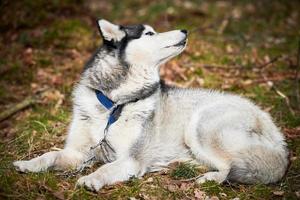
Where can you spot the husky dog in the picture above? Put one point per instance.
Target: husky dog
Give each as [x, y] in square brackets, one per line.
[126, 118]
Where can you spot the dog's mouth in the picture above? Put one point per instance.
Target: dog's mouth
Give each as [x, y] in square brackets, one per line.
[179, 44]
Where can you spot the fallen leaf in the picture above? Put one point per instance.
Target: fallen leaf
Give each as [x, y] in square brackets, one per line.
[278, 193]
[57, 194]
[28, 57]
[222, 194]
[292, 133]
[185, 186]
[149, 180]
[198, 194]
[172, 188]
[229, 48]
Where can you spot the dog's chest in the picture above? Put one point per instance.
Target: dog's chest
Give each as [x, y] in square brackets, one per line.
[105, 152]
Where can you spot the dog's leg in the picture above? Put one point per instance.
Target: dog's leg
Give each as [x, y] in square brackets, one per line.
[57, 160]
[119, 170]
[218, 176]
[216, 161]
[209, 150]
[70, 157]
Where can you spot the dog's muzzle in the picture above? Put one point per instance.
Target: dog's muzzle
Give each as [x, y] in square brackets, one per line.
[179, 44]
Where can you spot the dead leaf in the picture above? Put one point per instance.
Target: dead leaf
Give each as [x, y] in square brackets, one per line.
[247, 82]
[278, 193]
[198, 194]
[28, 57]
[145, 197]
[149, 180]
[292, 133]
[293, 158]
[34, 87]
[267, 59]
[172, 70]
[200, 81]
[222, 194]
[229, 48]
[185, 186]
[46, 76]
[236, 13]
[57, 194]
[53, 95]
[172, 188]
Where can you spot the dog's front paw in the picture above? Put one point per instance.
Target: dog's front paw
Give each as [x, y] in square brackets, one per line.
[91, 182]
[24, 166]
[211, 176]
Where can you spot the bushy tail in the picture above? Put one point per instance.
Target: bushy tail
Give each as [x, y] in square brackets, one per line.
[259, 165]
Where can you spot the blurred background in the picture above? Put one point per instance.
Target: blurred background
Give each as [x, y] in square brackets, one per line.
[251, 48]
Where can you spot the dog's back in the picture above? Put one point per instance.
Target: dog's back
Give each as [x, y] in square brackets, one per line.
[225, 132]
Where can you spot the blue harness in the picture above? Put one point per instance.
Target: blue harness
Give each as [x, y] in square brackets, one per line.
[114, 115]
[109, 104]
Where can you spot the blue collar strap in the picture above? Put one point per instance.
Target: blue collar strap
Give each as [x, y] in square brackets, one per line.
[108, 104]
[104, 100]
[117, 109]
[115, 112]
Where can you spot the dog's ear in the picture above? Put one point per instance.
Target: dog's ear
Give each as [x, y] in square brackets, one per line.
[109, 31]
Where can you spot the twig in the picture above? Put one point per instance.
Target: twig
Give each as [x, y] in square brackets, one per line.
[191, 179]
[17, 107]
[22, 105]
[281, 94]
[11, 195]
[297, 78]
[275, 59]
[221, 67]
[287, 100]
[223, 26]
[186, 180]
[272, 86]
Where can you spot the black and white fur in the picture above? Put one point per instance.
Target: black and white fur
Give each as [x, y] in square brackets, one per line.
[227, 133]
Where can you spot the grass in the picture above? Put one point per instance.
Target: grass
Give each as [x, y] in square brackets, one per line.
[184, 171]
[45, 44]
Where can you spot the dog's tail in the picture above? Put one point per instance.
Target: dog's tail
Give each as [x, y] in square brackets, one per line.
[259, 165]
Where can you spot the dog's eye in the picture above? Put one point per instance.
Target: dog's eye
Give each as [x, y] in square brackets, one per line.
[149, 33]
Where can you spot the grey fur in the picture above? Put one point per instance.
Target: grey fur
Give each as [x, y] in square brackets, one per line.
[258, 165]
[94, 75]
[159, 124]
[93, 72]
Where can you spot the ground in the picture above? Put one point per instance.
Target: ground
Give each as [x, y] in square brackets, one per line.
[244, 47]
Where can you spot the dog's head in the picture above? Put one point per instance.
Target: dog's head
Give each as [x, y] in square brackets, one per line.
[140, 45]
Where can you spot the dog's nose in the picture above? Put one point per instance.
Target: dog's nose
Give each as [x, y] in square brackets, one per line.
[184, 31]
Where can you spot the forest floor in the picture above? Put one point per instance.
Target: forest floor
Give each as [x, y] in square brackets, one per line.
[245, 47]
